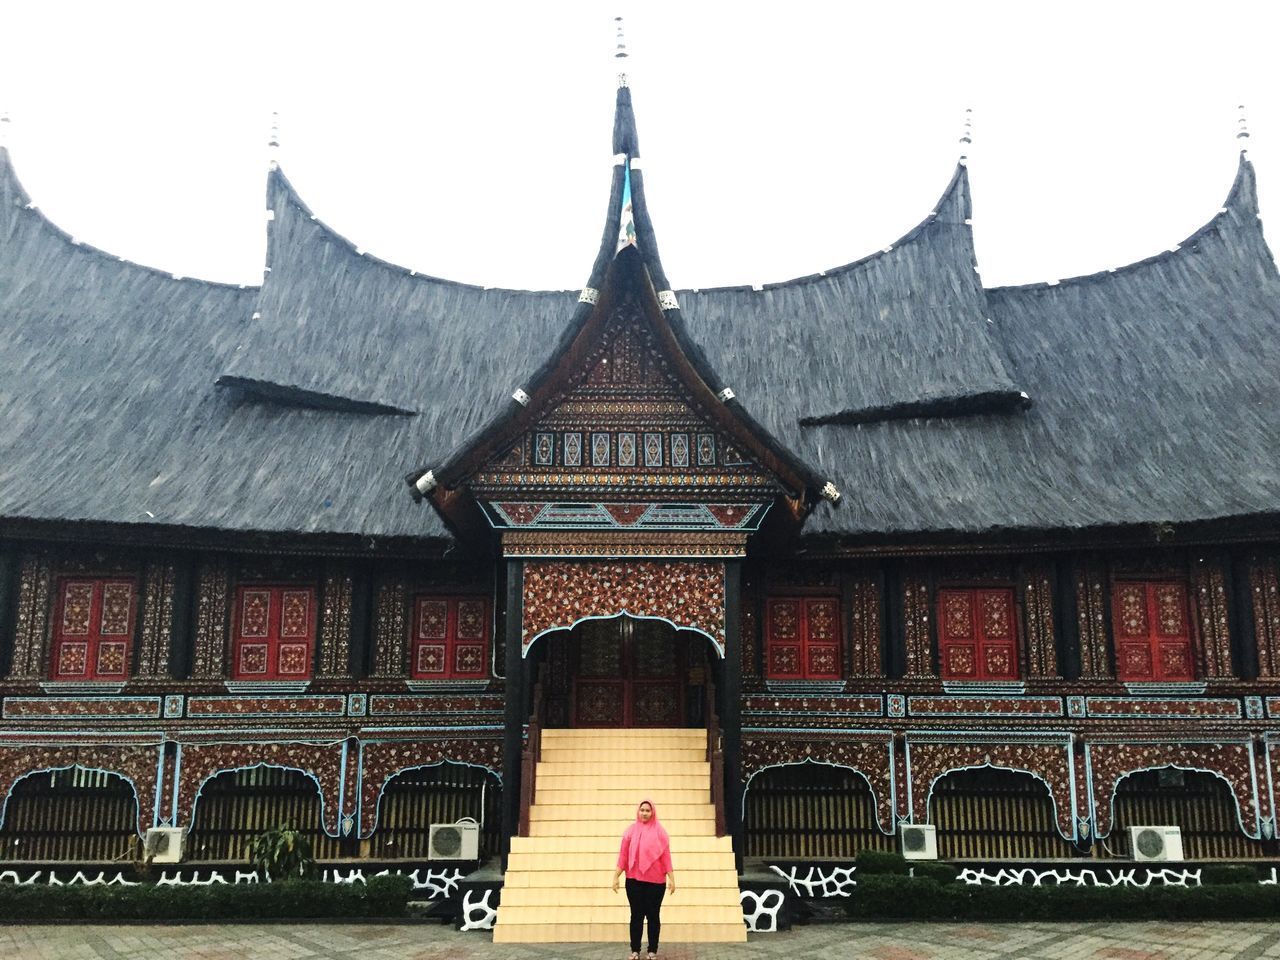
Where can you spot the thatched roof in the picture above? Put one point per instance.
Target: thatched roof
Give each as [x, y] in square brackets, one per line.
[1152, 389]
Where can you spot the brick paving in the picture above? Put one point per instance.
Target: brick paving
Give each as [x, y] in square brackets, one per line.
[882, 941]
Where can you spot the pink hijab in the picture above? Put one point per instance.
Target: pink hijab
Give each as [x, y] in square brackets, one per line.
[649, 841]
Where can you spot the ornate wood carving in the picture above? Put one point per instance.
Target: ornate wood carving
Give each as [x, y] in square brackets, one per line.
[1209, 597]
[1037, 604]
[212, 611]
[865, 624]
[687, 594]
[608, 543]
[1264, 587]
[335, 623]
[31, 634]
[159, 580]
[915, 613]
[1091, 605]
[391, 630]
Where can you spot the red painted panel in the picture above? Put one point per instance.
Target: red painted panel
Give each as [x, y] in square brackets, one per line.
[273, 632]
[978, 634]
[450, 638]
[1153, 631]
[93, 629]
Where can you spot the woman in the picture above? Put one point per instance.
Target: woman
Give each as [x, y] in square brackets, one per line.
[645, 858]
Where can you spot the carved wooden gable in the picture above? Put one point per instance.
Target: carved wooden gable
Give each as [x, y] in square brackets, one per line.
[624, 444]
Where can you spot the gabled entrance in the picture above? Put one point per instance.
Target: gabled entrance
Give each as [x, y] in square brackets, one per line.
[626, 672]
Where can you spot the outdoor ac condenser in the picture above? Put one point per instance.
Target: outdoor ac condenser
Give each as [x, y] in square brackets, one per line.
[454, 841]
[919, 841]
[1156, 843]
[164, 844]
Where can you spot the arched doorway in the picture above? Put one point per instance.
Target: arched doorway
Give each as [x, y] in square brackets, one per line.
[626, 671]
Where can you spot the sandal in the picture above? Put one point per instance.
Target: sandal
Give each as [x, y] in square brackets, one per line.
[634, 956]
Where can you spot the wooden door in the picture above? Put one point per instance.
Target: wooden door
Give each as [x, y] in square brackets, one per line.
[630, 673]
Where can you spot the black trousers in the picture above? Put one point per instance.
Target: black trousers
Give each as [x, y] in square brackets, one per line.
[646, 901]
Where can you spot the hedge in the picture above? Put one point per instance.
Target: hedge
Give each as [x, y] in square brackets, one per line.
[295, 900]
[888, 897]
[875, 862]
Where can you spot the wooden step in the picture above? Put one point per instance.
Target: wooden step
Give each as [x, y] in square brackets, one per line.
[610, 843]
[620, 912]
[617, 933]
[642, 757]
[554, 778]
[602, 879]
[605, 897]
[629, 735]
[554, 796]
[574, 828]
[539, 860]
[610, 813]
[607, 769]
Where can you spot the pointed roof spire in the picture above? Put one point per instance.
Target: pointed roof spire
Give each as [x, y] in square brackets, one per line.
[1243, 124]
[966, 135]
[273, 143]
[5, 126]
[620, 52]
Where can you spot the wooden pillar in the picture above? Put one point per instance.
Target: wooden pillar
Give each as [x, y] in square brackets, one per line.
[731, 706]
[517, 710]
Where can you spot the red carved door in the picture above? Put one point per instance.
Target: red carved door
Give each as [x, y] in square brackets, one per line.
[630, 673]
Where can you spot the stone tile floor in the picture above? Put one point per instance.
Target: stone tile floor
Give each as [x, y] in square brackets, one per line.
[918, 941]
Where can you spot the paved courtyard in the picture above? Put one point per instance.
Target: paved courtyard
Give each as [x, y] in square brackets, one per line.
[951, 941]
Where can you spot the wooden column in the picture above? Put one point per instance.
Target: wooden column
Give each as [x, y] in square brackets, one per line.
[517, 710]
[731, 706]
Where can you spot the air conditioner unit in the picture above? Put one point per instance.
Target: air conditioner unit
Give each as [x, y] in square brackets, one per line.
[454, 841]
[164, 844]
[1156, 843]
[919, 841]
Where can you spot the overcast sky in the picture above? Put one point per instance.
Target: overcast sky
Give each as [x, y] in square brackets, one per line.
[472, 140]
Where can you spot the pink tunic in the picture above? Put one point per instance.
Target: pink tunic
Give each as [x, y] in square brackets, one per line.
[656, 872]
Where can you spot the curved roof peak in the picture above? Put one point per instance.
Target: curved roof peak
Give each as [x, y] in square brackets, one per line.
[1240, 206]
[15, 201]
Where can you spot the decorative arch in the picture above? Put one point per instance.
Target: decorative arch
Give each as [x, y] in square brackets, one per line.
[1057, 813]
[13, 786]
[1232, 763]
[382, 788]
[558, 595]
[870, 756]
[198, 763]
[929, 760]
[382, 760]
[139, 766]
[809, 761]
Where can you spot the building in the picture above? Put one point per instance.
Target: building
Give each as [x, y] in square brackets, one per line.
[1003, 560]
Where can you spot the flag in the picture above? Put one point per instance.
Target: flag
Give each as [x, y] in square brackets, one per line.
[627, 221]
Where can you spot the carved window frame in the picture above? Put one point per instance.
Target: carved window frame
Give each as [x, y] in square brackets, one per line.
[802, 644]
[93, 643]
[978, 638]
[1155, 642]
[269, 640]
[453, 642]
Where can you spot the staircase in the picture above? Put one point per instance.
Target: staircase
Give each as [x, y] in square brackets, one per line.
[589, 783]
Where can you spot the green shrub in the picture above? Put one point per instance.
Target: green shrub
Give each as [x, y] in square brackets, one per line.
[388, 896]
[903, 898]
[874, 862]
[935, 870]
[1220, 873]
[282, 854]
[298, 900]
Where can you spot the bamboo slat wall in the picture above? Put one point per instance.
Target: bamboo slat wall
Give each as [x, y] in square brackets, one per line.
[236, 806]
[1199, 803]
[995, 815]
[73, 814]
[418, 798]
[811, 812]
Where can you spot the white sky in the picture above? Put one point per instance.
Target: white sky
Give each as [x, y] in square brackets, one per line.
[472, 140]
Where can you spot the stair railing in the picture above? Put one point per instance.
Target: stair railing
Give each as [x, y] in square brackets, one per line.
[715, 756]
[531, 754]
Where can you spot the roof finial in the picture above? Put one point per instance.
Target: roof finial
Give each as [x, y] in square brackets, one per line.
[1243, 132]
[620, 52]
[273, 143]
[4, 129]
[966, 135]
